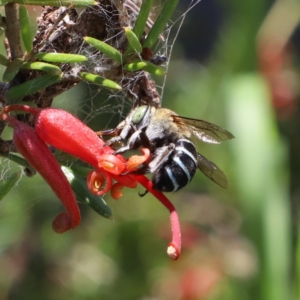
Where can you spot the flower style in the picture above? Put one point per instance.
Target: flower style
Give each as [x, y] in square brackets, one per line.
[65, 132]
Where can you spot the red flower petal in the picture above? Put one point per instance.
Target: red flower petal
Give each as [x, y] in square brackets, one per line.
[99, 183]
[111, 163]
[116, 191]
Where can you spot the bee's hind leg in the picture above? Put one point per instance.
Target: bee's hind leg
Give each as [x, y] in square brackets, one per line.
[161, 157]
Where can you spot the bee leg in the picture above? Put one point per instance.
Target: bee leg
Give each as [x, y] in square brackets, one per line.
[143, 194]
[143, 169]
[145, 142]
[113, 140]
[161, 156]
[112, 132]
[137, 140]
[120, 133]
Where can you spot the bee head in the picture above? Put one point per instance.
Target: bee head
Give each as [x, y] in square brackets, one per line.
[141, 117]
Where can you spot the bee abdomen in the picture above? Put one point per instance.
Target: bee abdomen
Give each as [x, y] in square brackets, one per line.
[178, 171]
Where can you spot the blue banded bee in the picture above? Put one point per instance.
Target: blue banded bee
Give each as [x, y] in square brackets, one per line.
[174, 158]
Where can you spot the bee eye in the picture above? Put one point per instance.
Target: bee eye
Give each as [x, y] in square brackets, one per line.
[139, 114]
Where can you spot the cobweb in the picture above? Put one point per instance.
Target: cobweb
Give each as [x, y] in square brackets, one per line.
[93, 102]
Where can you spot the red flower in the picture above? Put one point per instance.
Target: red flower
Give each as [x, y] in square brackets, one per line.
[65, 132]
[36, 152]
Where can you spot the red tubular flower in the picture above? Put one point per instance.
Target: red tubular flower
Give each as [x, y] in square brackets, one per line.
[99, 183]
[65, 132]
[111, 163]
[36, 152]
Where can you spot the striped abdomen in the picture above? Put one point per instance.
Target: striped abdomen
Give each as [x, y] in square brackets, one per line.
[179, 169]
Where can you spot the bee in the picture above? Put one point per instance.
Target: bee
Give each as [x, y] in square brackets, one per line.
[174, 158]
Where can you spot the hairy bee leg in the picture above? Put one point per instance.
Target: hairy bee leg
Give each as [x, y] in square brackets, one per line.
[138, 139]
[110, 132]
[113, 140]
[114, 131]
[145, 142]
[162, 155]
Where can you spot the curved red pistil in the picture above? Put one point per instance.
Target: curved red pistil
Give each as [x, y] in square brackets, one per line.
[174, 247]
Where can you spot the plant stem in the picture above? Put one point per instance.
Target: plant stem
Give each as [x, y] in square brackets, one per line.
[12, 31]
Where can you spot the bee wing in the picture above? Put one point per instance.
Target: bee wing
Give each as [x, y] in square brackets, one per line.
[205, 131]
[210, 170]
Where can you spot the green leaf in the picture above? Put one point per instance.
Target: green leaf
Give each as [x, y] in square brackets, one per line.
[134, 43]
[12, 69]
[84, 195]
[142, 18]
[264, 171]
[61, 57]
[3, 60]
[297, 267]
[96, 79]
[41, 66]
[160, 23]
[8, 182]
[32, 86]
[108, 50]
[26, 33]
[3, 2]
[77, 3]
[146, 66]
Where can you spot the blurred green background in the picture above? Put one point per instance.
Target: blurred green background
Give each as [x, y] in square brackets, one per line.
[235, 64]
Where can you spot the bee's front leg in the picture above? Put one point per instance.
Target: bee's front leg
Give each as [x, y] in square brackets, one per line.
[110, 132]
[113, 140]
[137, 139]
